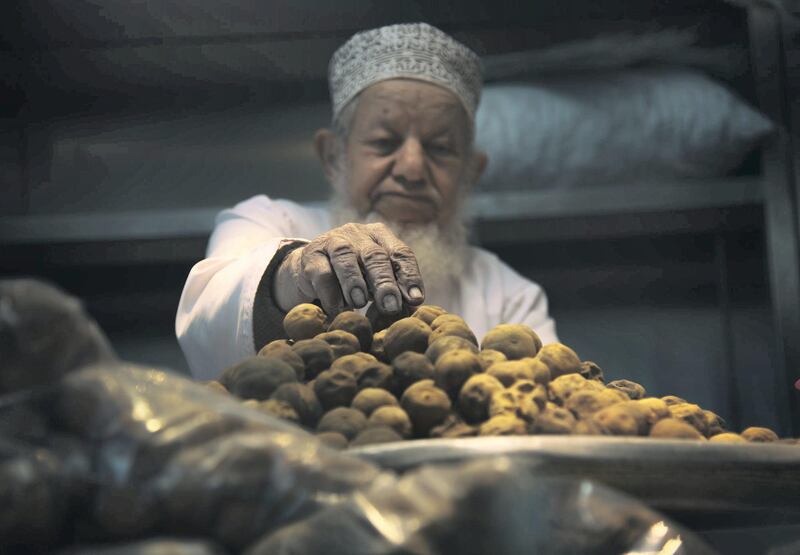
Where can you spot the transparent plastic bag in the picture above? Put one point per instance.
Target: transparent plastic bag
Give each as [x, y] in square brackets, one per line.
[38, 488]
[149, 547]
[171, 456]
[44, 334]
[487, 506]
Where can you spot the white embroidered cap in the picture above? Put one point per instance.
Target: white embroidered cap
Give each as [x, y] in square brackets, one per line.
[408, 50]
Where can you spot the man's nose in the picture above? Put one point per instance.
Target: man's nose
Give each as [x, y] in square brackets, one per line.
[409, 167]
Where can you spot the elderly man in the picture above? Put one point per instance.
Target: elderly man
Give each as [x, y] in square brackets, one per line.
[400, 159]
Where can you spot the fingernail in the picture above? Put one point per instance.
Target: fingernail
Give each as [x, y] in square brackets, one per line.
[415, 293]
[358, 298]
[390, 303]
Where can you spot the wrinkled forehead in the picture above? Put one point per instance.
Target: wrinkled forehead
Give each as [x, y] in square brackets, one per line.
[425, 103]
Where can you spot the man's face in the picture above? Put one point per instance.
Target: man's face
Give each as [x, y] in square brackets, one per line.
[408, 152]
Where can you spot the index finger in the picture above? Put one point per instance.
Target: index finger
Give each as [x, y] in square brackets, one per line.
[404, 264]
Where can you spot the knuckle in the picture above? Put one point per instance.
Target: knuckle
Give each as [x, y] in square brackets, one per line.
[309, 254]
[308, 268]
[319, 241]
[384, 277]
[315, 271]
[354, 281]
[325, 275]
[403, 253]
[340, 248]
[379, 228]
[385, 287]
[373, 254]
[349, 278]
[348, 229]
[381, 286]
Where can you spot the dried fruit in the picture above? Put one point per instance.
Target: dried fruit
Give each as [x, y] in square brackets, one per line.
[474, 397]
[427, 406]
[424, 376]
[393, 417]
[515, 341]
[302, 399]
[629, 388]
[348, 422]
[553, 420]
[446, 344]
[453, 369]
[453, 427]
[316, 354]
[375, 434]
[510, 371]
[428, 313]
[407, 334]
[503, 425]
[283, 350]
[257, 377]
[759, 435]
[591, 371]
[672, 428]
[560, 359]
[453, 330]
[727, 437]
[411, 367]
[334, 440]
[371, 398]
[341, 342]
[356, 324]
[489, 357]
[335, 388]
[304, 321]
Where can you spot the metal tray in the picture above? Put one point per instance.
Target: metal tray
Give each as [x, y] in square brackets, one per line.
[703, 485]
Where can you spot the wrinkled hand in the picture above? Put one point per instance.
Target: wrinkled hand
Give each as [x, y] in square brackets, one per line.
[348, 266]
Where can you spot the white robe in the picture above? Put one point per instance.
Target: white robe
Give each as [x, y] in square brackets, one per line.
[214, 323]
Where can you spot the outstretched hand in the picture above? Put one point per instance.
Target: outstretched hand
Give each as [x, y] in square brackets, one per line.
[347, 267]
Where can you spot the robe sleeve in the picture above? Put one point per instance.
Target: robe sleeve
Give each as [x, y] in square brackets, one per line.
[226, 307]
[525, 302]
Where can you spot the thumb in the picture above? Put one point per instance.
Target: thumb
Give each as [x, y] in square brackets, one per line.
[287, 290]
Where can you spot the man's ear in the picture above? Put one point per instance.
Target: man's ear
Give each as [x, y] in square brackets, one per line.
[479, 162]
[326, 146]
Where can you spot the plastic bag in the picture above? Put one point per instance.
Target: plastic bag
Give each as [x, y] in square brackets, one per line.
[149, 547]
[489, 506]
[44, 334]
[172, 456]
[38, 488]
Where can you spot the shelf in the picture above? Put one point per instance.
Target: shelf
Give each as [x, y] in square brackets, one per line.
[64, 57]
[621, 211]
[623, 199]
[82, 24]
[524, 216]
[39, 229]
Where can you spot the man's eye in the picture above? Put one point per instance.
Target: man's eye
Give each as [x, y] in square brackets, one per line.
[439, 149]
[384, 145]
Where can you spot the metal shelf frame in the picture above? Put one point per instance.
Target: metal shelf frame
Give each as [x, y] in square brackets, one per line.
[775, 50]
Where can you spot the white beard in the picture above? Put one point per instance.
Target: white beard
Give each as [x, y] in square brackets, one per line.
[442, 252]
